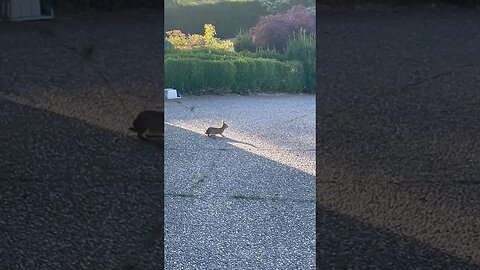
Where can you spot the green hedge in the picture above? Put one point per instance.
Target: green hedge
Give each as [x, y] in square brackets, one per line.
[228, 17]
[465, 3]
[103, 5]
[243, 75]
[201, 55]
[303, 48]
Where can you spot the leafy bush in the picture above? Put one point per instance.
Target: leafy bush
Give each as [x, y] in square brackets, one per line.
[208, 40]
[205, 53]
[197, 72]
[170, 4]
[303, 48]
[263, 53]
[167, 44]
[202, 56]
[280, 6]
[274, 31]
[203, 2]
[243, 42]
[227, 16]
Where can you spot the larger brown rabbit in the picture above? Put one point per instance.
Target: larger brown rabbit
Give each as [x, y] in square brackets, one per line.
[148, 124]
[214, 130]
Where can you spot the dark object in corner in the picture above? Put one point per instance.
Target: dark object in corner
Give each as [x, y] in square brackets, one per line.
[148, 124]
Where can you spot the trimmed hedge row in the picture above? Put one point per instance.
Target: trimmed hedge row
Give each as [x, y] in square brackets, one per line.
[197, 54]
[223, 54]
[228, 17]
[464, 3]
[236, 75]
[102, 5]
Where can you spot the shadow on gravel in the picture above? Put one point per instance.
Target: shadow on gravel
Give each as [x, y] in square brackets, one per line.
[411, 141]
[397, 125]
[230, 140]
[75, 195]
[424, 169]
[395, 102]
[344, 242]
[217, 158]
[234, 206]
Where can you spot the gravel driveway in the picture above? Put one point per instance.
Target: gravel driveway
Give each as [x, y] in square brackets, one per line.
[398, 175]
[77, 191]
[245, 201]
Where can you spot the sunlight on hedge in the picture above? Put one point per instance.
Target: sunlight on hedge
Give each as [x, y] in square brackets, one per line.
[209, 40]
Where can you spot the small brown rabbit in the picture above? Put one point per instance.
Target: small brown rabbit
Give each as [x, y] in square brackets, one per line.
[213, 130]
[148, 124]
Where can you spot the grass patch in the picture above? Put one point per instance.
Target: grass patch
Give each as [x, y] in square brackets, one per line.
[274, 198]
[201, 178]
[180, 194]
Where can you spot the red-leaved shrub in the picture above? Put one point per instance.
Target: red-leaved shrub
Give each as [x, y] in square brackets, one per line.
[273, 31]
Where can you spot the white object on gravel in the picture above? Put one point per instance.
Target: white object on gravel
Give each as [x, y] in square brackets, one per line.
[171, 93]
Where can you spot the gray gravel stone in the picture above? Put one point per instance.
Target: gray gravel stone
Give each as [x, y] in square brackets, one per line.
[398, 156]
[231, 205]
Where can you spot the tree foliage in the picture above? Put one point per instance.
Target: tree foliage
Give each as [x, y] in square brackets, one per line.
[274, 31]
[280, 6]
[208, 40]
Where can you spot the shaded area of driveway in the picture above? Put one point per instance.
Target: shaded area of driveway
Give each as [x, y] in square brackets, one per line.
[74, 195]
[77, 191]
[245, 200]
[398, 161]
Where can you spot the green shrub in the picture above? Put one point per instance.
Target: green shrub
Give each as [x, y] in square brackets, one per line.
[208, 40]
[244, 75]
[228, 17]
[243, 42]
[102, 5]
[204, 54]
[170, 4]
[280, 6]
[263, 53]
[167, 44]
[203, 2]
[303, 48]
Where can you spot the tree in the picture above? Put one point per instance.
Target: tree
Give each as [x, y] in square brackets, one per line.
[280, 6]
